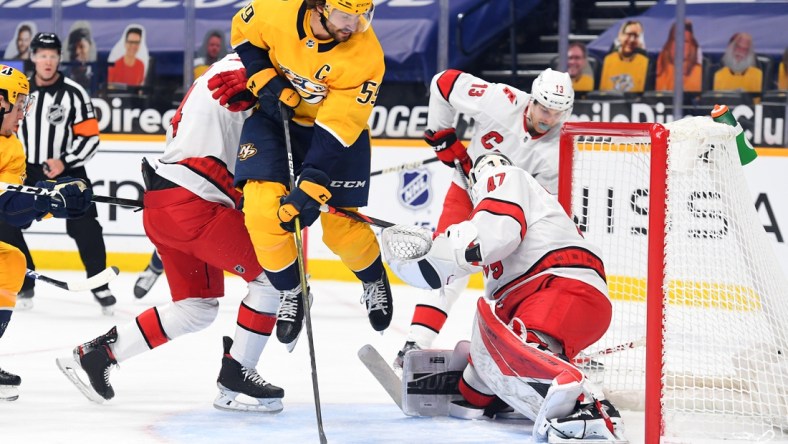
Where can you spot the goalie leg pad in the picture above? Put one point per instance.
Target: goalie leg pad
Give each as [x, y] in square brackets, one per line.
[518, 372]
[430, 380]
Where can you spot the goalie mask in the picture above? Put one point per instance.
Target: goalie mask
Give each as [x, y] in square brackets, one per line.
[352, 16]
[485, 162]
[15, 89]
[552, 98]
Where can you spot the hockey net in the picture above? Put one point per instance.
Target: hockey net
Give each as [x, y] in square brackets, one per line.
[700, 304]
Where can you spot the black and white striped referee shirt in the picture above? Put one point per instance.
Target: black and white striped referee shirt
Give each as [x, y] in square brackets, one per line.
[61, 124]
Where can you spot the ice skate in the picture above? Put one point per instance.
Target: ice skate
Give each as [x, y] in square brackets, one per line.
[290, 318]
[24, 300]
[95, 359]
[9, 386]
[409, 345]
[595, 422]
[235, 380]
[145, 282]
[106, 300]
[380, 305]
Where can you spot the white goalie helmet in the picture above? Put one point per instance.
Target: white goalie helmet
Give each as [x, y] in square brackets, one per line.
[493, 159]
[553, 89]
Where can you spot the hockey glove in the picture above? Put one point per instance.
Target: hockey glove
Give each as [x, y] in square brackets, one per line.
[72, 201]
[448, 149]
[229, 88]
[305, 200]
[278, 90]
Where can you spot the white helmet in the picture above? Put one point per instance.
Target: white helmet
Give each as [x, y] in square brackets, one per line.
[492, 159]
[553, 89]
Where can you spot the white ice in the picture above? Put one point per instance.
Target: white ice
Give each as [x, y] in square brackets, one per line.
[165, 395]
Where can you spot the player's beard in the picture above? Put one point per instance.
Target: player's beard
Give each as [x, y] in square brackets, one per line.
[334, 32]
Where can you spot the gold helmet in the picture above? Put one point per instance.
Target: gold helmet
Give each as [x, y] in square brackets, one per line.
[349, 14]
[13, 84]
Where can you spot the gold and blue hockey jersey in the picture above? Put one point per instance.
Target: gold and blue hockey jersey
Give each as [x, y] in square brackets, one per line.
[338, 82]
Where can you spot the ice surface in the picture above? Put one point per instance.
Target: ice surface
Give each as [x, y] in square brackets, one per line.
[165, 395]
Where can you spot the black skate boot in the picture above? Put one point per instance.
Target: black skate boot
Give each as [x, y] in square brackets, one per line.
[96, 359]
[290, 316]
[9, 386]
[235, 379]
[380, 306]
[145, 281]
[104, 297]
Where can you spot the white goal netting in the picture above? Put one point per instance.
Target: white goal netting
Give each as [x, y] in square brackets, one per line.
[724, 370]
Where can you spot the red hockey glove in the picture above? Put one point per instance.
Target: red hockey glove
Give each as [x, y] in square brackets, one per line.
[448, 149]
[229, 88]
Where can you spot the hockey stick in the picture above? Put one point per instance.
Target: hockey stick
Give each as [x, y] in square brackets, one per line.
[403, 167]
[356, 216]
[585, 358]
[38, 191]
[302, 276]
[384, 374]
[97, 280]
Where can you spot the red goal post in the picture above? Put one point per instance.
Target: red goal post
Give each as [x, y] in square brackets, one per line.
[691, 275]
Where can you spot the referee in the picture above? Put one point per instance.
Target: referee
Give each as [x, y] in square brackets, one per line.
[60, 134]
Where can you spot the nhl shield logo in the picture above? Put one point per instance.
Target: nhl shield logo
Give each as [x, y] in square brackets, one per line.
[56, 114]
[414, 189]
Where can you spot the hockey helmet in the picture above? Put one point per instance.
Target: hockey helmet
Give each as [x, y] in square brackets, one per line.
[46, 40]
[14, 87]
[349, 14]
[493, 159]
[553, 89]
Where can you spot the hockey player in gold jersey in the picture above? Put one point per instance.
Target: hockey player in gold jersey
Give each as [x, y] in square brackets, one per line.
[21, 209]
[323, 62]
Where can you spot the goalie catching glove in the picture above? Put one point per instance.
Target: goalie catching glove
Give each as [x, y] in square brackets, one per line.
[445, 262]
[305, 201]
[72, 201]
[229, 88]
[448, 149]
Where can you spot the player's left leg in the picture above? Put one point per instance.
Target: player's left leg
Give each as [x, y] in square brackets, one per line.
[356, 244]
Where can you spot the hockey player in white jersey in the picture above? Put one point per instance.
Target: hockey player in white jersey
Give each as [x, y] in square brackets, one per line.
[191, 216]
[546, 299]
[524, 127]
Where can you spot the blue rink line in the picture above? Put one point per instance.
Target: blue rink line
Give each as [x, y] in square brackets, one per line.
[342, 423]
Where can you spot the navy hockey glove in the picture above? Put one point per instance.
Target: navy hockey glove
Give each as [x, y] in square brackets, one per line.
[229, 88]
[448, 149]
[72, 201]
[305, 200]
[275, 91]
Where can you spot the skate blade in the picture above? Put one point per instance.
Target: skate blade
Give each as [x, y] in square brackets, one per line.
[69, 368]
[226, 400]
[9, 393]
